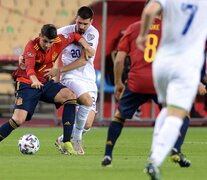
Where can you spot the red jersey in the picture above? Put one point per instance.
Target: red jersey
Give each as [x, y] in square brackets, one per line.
[37, 60]
[140, 75]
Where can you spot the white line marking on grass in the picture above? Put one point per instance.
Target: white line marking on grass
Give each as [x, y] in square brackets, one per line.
[195, 142]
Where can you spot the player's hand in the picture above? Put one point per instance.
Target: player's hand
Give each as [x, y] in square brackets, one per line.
[89, 52]
[86, 54]
[37, 85]
[118, 90]
[35, 82]
[141, 42]
[202, 89]
[51, 72]
[22, 63]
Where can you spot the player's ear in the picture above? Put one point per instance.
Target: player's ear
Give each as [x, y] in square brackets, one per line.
[91, 21]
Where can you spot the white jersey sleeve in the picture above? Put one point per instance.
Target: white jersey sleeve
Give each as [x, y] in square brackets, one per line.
[92, 37]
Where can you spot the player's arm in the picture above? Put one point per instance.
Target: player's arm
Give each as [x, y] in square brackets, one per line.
[89, 51]
[21, 62]
[73, 37]
[35, 82]
[149, 13]
[118, 71]
[202, 89]
[52, 72]
[93, 41]
[81, 61]
[29, 57]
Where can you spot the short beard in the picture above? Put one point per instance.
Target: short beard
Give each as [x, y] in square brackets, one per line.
[81, 32]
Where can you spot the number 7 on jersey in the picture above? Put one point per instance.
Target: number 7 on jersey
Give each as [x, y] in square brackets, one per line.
[191, 9]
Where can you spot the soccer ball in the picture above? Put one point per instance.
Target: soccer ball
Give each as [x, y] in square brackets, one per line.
[29, 144]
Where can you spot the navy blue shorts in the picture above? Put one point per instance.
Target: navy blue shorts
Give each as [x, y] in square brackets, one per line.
[130, 102]
[28, 97]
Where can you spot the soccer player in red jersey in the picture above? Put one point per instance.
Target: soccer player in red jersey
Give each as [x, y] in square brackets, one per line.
[139, 87]
[33, 84]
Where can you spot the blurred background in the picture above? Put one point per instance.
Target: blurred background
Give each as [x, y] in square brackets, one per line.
[21, 20]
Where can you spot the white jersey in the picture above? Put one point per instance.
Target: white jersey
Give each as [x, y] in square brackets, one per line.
[184, 29]
[180, 56]
[73, 52]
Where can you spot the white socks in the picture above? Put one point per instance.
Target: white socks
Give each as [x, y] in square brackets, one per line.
[81, 118]
[158, 125]
[166, 139]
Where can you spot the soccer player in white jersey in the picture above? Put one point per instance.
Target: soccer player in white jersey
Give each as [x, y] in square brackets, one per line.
[78, 73]
[176, 69]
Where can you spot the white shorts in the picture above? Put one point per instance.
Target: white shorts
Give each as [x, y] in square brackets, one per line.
[176, 85]
[80, 87]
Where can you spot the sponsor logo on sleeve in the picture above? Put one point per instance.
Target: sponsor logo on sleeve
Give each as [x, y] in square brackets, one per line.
[30, 54]
[90, 37]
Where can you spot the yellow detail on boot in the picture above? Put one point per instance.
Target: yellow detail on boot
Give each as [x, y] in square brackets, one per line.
[68, 148]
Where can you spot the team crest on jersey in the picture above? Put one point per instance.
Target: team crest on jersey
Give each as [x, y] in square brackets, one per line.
[19, 101]
[54, 55]
[30, 54]
[90, 37]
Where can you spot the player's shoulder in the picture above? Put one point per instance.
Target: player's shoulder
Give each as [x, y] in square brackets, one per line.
[91, 34]
[60, 37]
[133, 27]
[66, 29]
[135, 24]
[92, 29]
[33, 44]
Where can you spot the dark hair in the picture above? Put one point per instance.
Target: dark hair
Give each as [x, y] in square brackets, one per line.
[85, 12]
[49, 30]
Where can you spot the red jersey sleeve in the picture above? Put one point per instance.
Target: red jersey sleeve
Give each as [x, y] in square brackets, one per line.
[29, 57]
[77, 36]
[68, 39]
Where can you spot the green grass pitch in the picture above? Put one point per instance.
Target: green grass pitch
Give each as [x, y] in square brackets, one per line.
[129, 157]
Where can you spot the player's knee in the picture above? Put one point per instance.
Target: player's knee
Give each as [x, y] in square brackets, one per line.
[64, 95]
[117, 113]
[19, 116]
[118, 117]
[69, 94]
[88, 124]
[89, 102]
[18, 121]
[85, 99]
